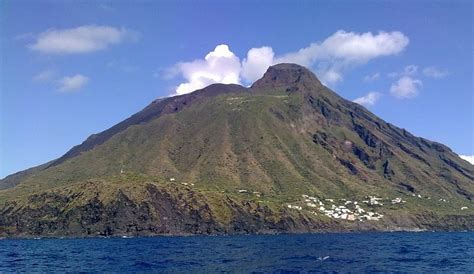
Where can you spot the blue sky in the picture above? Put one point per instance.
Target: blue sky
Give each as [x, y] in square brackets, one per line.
[69, 69]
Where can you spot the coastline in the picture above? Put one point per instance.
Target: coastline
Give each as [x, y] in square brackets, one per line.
[128, 236]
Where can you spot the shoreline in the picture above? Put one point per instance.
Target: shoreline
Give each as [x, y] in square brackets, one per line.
[129, 236]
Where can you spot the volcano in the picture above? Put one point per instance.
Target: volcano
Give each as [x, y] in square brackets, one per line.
[284, 155]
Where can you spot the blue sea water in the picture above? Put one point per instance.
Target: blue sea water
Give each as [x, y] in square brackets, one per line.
[354, 252]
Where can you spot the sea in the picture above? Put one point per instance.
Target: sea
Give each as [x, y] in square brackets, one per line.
[328, 252]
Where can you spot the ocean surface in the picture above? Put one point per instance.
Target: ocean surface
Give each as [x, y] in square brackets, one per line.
[354, 252]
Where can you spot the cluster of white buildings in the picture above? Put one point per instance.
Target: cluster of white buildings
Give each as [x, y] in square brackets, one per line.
[339, 212]
[348, 210]
[351, 211]
[295, 207]
[312, 201]
[372, 200]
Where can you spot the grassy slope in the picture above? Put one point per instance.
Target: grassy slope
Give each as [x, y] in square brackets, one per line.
[255, 142]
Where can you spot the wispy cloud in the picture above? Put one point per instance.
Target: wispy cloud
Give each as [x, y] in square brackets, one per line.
[82, 39]
[409, 70]
[434, 72]
[72, 83]
[406, 87]
[372, 77]
[469, 158]
[330, 59]
[45, 76]
[368, 100]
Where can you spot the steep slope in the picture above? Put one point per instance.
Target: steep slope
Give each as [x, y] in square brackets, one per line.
[244, 157]
[152, 111]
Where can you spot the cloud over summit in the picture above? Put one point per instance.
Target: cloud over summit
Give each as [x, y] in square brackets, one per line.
[330, 59]
[219, 66]
[350, 47]
[257, 62]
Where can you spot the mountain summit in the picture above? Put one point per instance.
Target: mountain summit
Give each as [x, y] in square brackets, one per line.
[285, 155]
[286, 75]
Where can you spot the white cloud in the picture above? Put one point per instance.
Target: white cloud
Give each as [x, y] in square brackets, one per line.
[45, 76]
[219, 66]
[469, 158]
[405, 87]
[71, 83]
[393, 74]
[350, 46]
[343, 50]
[409, 70]
[370, 99]
[434, 72]
[257, 62]
[80, 40]
[329, 58]
[330, 76]
[372, 77]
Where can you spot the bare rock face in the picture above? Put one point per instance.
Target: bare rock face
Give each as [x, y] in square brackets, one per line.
[287, 75]
[163, 211]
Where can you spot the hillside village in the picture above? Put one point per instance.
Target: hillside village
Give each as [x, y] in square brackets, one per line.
[343, 209]
[349, 210]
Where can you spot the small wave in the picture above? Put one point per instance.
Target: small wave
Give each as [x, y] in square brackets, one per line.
[323, 258]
